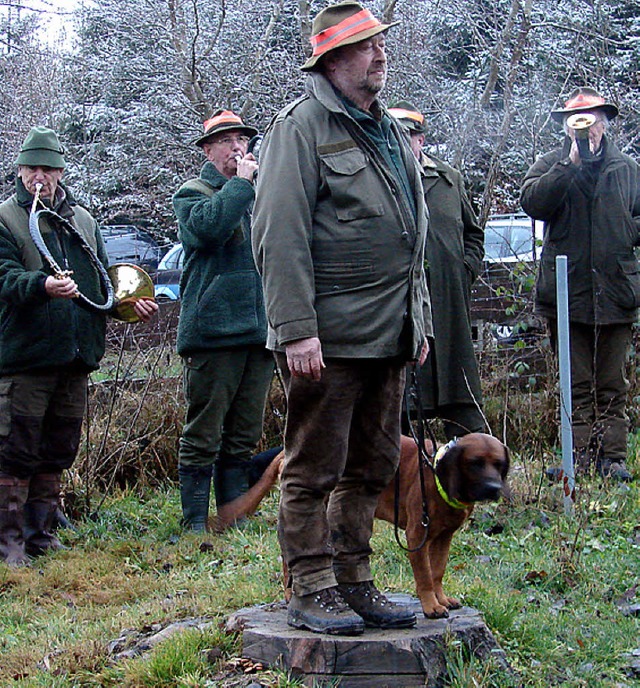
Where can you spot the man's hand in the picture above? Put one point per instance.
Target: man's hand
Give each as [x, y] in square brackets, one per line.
[247, 167]
[145, 309]
[574, 154]
[424, 352]
[304, 358]
[64, 288]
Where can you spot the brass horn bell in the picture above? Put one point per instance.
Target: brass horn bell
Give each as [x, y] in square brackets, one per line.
[581, 122]
[130, 283]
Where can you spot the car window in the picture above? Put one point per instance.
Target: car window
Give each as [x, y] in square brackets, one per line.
[508, 239]
[173, 259]
[494, 242]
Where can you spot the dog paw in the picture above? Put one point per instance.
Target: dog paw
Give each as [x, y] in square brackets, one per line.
[452, 603]
[438, 612]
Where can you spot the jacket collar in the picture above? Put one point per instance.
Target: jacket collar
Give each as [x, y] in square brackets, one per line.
[212, 175]
[432, 167]
[63, 204]
[323, 90]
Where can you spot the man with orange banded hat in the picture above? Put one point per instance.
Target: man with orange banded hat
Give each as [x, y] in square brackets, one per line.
[339, 233]
[222, 328]
[589, 199]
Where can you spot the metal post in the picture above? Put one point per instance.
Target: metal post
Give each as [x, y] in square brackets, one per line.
[564, 361]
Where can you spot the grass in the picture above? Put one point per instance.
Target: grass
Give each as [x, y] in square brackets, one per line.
[550, 589]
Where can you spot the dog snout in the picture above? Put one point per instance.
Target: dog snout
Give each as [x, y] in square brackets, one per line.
[489, 491]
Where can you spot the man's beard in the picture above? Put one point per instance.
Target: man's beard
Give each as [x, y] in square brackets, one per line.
[373, 87]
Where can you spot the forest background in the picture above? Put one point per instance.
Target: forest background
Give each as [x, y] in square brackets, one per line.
[129, 87]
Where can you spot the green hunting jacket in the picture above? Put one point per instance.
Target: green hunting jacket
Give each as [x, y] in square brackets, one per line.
[36, 331]
[591, 214]
[337, 241]
[455, 249]
[221, 294]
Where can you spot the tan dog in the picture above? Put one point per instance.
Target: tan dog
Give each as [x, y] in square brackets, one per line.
[473, 469]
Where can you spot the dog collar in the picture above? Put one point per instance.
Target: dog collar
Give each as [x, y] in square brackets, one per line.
[452, 502]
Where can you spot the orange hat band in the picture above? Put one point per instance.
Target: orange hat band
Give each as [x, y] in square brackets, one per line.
[401, 113]
[583, 100]
[329, 38]
[225, 117]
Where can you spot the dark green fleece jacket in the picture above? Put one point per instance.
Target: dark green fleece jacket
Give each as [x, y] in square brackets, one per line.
[36, 331]
[222, 304]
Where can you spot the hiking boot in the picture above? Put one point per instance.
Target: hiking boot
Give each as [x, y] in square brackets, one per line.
[324, 612]
[376, 610]
[617, 470]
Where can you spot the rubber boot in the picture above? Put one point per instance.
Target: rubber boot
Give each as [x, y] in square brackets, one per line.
[195, 485]
[13, 496]
[40, 514]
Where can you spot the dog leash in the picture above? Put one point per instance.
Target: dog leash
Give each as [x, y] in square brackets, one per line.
[413, 388]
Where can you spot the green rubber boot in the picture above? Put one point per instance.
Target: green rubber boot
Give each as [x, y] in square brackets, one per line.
[195, 485]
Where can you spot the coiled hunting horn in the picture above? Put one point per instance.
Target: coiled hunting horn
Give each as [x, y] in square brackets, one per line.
[122, 283]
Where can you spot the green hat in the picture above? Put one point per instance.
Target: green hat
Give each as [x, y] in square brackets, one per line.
[342, 24]
[409, 116]
[41, 148]
[224, 120]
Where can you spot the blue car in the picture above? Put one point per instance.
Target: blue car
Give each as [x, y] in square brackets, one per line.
[167, 277]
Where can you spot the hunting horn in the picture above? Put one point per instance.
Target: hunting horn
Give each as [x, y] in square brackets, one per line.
[580, 123]
[122, 283]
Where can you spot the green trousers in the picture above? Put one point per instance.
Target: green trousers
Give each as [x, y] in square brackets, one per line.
[599, 387]
[226, 390]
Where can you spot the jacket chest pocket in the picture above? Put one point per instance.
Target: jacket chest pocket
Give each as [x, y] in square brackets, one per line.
[352, 184]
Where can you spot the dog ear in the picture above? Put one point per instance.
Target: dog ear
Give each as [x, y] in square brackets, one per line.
[448, 470]
[507, 463]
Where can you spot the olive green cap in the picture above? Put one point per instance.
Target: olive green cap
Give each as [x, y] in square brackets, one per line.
[41, 148]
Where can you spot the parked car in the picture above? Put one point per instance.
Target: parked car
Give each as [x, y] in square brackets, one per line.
[512, 239]
[502, 296]
[128, 244]
[167, 276]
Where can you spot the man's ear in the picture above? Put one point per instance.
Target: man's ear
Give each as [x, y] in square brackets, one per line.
[206, 148]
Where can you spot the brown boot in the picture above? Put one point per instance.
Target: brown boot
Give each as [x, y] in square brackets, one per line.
[40, 513]
[13, 495]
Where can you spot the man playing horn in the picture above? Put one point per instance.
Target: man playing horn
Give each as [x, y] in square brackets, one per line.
[48, 346]
[339, 232]
[223, 328]
[589, 200]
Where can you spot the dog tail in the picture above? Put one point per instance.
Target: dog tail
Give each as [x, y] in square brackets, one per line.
[259, 464]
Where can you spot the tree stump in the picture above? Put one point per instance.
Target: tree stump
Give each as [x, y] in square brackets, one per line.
[406, 658]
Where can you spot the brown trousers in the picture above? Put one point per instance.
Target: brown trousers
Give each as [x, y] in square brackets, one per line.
[598, 387]
[41, 421]
[342, 446]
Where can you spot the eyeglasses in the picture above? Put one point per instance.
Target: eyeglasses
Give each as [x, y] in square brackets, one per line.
[232, 140]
